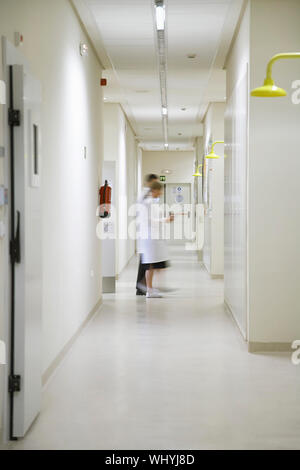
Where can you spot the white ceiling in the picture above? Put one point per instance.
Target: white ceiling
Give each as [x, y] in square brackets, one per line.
[125, 41]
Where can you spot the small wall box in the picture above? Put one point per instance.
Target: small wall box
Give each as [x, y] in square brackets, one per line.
[2, 92]
[2, 196]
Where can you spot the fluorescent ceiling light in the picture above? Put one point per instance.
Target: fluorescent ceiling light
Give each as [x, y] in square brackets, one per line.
[164, 111]
[160, 17]
[166, 146]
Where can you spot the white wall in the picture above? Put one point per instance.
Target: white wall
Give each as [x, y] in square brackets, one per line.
[272, 196]
[213, 252]
[120, 146]
[71, 120]
[235, 220]
[181, 164]
[274, 168]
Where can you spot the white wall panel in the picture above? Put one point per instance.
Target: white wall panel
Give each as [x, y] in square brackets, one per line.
[235, 208]
[213, 179]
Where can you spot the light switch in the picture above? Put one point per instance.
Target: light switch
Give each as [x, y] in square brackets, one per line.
[2, 353]
[2, 92]
[2, 229]
[2, 196]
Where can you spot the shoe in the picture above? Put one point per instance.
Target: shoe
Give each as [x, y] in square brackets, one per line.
[153, 295]
[140, 292]
[141, 287]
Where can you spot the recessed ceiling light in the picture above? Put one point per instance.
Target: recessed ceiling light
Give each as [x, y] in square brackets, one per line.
[183, 109]
[160, 16]
[191, 56]
[166, 171]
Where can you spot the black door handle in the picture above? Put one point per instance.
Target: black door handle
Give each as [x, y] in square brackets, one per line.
[18, 239]
[15, 249]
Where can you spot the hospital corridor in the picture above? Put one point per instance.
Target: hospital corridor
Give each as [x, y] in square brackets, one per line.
[169, 375]
[149, 227]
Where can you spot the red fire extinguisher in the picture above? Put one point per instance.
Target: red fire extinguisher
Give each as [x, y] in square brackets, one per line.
[105, 200]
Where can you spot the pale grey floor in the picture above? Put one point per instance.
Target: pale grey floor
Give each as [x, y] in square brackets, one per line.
[168, 373]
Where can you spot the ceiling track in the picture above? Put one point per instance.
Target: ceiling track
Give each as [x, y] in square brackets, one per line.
[162, 70]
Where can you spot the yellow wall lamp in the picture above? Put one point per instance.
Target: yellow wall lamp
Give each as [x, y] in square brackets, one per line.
[212, 154]
[197, 171]
[269, 89]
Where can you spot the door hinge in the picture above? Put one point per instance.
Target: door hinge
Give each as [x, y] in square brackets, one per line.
[14, 383]
[14, 117]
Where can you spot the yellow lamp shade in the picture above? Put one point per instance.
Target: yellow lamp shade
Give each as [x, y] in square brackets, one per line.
[197, 171]
[268, 91]
[212, 155]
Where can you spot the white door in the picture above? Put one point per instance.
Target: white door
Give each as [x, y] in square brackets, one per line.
[178, 199]
[24, 98]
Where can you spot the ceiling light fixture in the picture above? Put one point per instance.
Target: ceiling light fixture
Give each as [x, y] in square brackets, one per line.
[160, 14]
[161, 46]
[212, 154]
[269, 89]
[197, 171]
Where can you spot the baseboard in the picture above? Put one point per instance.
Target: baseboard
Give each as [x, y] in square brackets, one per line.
[59, 358]
[213, 276]
[217, 276]
[254, 347]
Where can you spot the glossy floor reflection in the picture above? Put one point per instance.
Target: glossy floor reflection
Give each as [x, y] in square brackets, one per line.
[168, 373]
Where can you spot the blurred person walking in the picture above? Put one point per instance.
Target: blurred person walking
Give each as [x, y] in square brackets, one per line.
[141, 287]
[152, 245]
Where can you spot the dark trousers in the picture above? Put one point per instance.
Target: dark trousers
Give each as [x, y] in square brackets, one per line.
[141, 277]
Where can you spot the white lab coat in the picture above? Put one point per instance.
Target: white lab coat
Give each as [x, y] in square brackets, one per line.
[151, 245]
